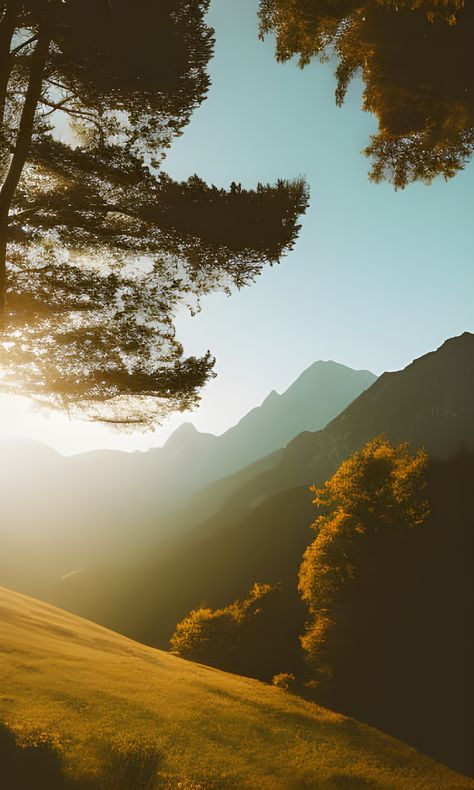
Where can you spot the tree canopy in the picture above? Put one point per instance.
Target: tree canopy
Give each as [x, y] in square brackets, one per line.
[226, 637]
[415, 58]
[378, 488]
[98, 246]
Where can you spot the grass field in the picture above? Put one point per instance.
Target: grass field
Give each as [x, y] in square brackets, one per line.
[116, 714]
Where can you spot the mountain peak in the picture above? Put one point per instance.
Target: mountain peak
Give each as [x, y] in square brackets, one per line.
[185, 432]
[270, 397]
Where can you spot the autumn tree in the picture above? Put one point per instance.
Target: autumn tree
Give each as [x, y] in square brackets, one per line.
[377, 490]
[223, 637]
[97, 245]
[415, 58]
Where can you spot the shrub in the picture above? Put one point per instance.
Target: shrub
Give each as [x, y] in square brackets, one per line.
[215, 636]
[284, 680]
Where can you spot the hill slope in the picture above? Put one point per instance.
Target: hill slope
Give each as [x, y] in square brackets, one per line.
[143, 719]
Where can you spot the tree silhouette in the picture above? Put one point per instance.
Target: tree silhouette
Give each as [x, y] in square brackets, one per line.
[415, 57]
[97, 246]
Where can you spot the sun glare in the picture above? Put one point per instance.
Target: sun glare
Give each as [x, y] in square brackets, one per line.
[20, 420]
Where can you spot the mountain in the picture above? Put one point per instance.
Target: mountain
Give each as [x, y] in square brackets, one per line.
[318, 395]
[86, 707]
[190, 460]
[261, 532]
[60, 515]
[429, 404]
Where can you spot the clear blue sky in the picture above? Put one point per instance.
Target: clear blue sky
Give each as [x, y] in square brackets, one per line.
[376, 278]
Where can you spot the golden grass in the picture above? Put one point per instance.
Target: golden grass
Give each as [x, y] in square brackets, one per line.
[139, 718]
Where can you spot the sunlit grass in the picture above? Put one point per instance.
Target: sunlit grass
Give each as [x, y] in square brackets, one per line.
[137, 718]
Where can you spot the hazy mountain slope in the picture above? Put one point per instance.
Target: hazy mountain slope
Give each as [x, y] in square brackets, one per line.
[62, 514]
[137, 718]
[318, 395]
[261, 535]
[430, 404]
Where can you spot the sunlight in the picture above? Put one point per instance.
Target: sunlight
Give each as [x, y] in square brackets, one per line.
[20, 419]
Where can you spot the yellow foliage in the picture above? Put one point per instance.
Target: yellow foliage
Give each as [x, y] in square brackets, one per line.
[205, 632]
[380, 487]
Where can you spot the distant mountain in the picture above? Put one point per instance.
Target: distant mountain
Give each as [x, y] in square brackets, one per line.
[60, 515]
[261, 531]
[318, 395]
[430, 404]
[193, 459]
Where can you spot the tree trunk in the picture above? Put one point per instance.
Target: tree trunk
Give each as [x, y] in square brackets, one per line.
[7, 29]
[22, 147]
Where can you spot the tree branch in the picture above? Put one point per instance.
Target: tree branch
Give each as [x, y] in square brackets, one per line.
[7, 29]
[86, 115]
[18, 49]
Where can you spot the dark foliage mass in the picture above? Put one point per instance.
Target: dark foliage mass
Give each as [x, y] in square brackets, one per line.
[399, 650]
[403, 652]
[25, 766]
[98, 247]
[416, 61]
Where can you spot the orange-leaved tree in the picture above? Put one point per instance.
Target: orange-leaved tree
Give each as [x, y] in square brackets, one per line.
[223, 637]
[379, 488]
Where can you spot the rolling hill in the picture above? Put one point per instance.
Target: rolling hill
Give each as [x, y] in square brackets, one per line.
[90, 708]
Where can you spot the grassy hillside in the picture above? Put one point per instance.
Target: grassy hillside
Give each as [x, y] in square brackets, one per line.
[137, 718]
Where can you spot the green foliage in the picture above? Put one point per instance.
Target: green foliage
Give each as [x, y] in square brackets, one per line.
[215, 635]
[415, 59]
[379, 488]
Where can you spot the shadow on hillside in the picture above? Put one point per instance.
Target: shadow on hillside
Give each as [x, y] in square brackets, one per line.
[33, 768]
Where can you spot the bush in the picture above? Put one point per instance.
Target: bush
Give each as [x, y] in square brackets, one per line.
[284, 680]
[215, 636]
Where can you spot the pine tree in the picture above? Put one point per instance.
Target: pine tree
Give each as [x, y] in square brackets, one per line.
[97, 245]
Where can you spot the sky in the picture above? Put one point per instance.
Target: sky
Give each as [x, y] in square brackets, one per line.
[376, 278]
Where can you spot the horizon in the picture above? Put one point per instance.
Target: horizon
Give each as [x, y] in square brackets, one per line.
[188, 422]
